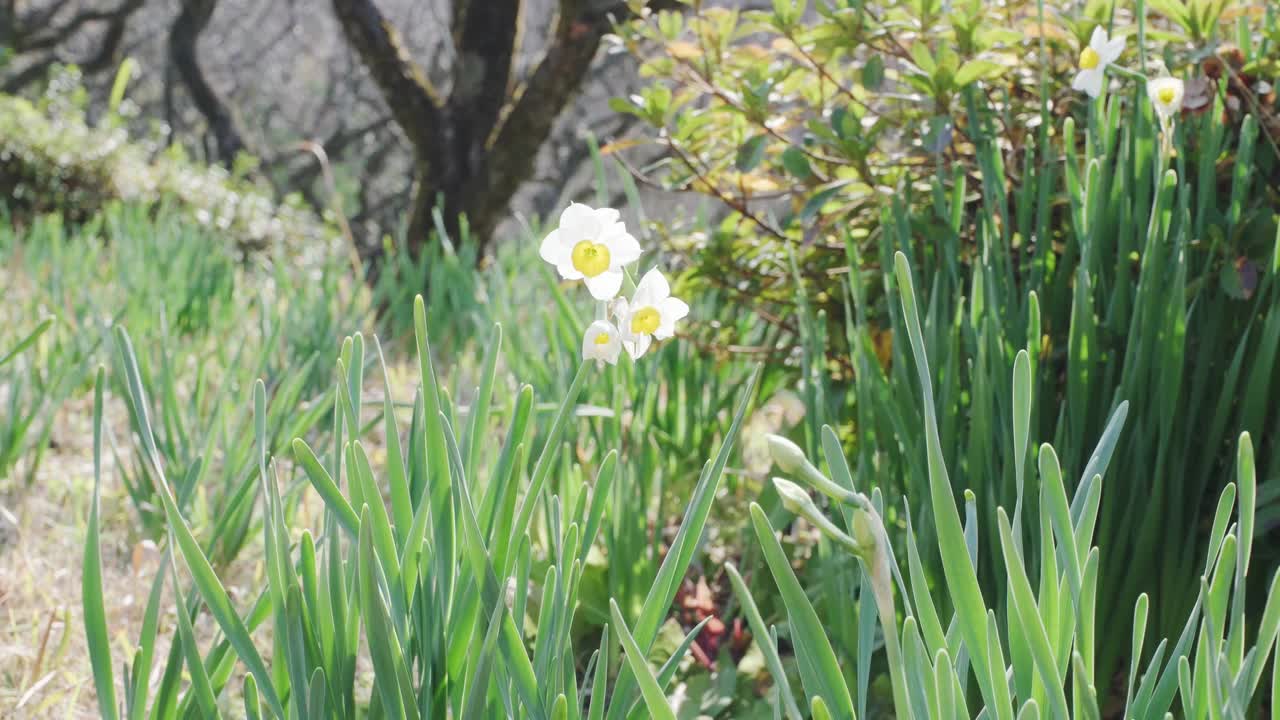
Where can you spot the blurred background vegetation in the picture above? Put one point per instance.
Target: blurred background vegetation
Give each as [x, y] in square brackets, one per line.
[495, 96]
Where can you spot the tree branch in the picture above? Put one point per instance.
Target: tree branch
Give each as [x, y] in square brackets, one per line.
[513, 149]
[108, 55]
[183, 36]
[54, 36]
[408, 93]
[335, 147]
[46, 43]
[458, 18]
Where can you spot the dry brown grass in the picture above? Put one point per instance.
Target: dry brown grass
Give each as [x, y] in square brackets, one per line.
[44, 661]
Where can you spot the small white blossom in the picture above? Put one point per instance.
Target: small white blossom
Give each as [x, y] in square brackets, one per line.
[1094, 59]
[591, 245]
[1166, 96]
[602, 342]
[651, 314]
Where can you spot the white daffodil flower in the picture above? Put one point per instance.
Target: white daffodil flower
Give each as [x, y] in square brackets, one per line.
[1094, 59]
[591, 245]
[1166, 95]
[602, 342]
[651, 314]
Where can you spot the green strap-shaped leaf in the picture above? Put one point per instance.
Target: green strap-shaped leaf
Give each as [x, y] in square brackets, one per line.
[599, 686]
[819, 669]
[518, 665]
[200, 684]
[473, 444]
[95, 614]
[670, 666]
[541, 469]
[397, 473]
[219, 603]
[328, 489]
[771, 659]
[1004, 702]
[206, 580]
[652, 693]
[252, 708]
[478, 694]
[961, 577]
[395, 688]
[676, 563]
[1024, 603]
[27, 341]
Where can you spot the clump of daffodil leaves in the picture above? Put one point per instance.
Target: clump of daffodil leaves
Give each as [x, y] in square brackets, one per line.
[593, 245]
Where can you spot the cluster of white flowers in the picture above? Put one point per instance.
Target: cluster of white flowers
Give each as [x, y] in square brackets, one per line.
[593, 245]
[1166, 92]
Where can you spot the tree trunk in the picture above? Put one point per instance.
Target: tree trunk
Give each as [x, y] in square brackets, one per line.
[475, 148]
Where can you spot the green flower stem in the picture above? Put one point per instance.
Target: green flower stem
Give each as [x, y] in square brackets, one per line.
[797, 500]
[828, 487]
[882, 587]
[1131, 74]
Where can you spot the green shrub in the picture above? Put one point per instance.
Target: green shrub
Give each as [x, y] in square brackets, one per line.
[1129, 270]
[52, 160]
[803, 120]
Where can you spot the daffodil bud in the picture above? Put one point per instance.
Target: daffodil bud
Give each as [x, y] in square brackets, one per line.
[787, 455]
[791, 459]
[796, 500]
[794, 497]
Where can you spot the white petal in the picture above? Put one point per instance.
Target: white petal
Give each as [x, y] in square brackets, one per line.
[1157, 85]
[601, 326]
[623, 248]
[638, 345]
[673, 308]
[607, 352]
[652, 289]
[577, 214]
[621, 310]
[670, 311]
[567, 270]
[553, 249]
[578, 222]
[1098, 40]
[1110, 51]
[590, 349]
[606, 216]
[1090, 81]
[605, 286]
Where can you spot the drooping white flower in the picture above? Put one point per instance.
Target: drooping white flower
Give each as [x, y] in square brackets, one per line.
[1094, 59]
[652, 313]
[1166, 96]
[591, 245]
[602, 342]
